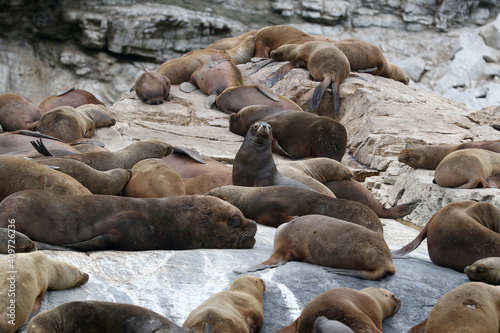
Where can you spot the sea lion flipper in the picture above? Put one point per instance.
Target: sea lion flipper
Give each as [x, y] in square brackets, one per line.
[63, 92]
[268, 92]
[403, 209]
[280, 73]
[263, 64]
[45, 246]
[367, 70]
[191, 153]
[210, 102]
[187, 87]
[37, 135]
[357, 273]
[40, 147]
[280, 150]
[318, 94]
[358, 77]
[216, 59]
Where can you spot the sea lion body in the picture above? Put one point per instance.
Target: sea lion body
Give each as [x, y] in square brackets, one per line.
[17, 113]
[66, 123]
[19, 142]
[152, 88]
[103, 222]
[70, 97]
[238, 310]
[486, 270]
[272, 37]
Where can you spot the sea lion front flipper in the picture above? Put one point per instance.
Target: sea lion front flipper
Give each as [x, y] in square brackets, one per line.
[187, 87]
[63, 92]
[268, 92]
[40, 147]
[191, 153]
[318, 94]
[280, 73]
[210, 102]
[357, 273]
[45, 246]
[280, 150]
[263, 64]
[367, 70]
[358, 77]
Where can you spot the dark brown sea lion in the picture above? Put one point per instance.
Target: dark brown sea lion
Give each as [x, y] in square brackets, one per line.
[230, 42]
[471, 307]
[275, 205]
[70, 97]
[361, 310]
[105, 222]
[356, 251]
[272, 37]
[350, 189]
[233, 99]
[325, 62]
[238, 310]
[34, 274]
[17, 113]
[14, 241]
[467, 168]
[459, 234]
[152, 87]
[486, 270]
[103, 317]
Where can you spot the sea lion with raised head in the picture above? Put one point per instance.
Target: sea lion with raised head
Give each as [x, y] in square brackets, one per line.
[69, 97]
[17, 113]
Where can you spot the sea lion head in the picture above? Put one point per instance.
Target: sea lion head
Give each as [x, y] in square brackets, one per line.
[408, 157]
[486, 270]
[285, 52]
[388, 302]
[260, 133]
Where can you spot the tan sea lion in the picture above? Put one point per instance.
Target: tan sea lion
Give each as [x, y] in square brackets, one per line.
[275, 205]
[19, 142]
[25, 280]
[98, 113]
[152, 87]
[486, 270]
[471, 307]
[356, 251]
[459, 234]
[467, 168]
[361, 310]
[324, 61]
[66, 123]
[70, 97]
[272, 37]
[17, 113]
[153, 178]
[238, 310]
[103, 317]
[230, 42]
[106, 222]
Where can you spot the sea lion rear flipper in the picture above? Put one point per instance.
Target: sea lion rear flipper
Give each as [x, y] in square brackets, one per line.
[402, 210]
[280, 150]
[278, 75]
[413, 244]
[358, 77]
[268, 92]
[40, 147]
[318, 94]
[210, 102]
[263, 64]
[191, 153]
[45, 246]
[187, 87]
[63, 92]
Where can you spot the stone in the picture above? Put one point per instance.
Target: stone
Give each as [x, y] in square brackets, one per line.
[491, 33]
[474, 42]
[414, 67]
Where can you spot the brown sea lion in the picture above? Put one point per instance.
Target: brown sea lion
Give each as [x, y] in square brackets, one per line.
[429, 156]
[350, 189]
[17, 113]
[70, 97]
[105, 222]
[233, 99]
[98, 113]
[238, 310]
[356, 251]
[361, 310]
[324, 325]
[103, 317]
[152, 87]
[25, 279]
[467, 168]
[14, 241]
[230, 42]
[486, 270]
[272, 37]
[213, 77]
[20, 174]
[459, 234]
[153, 178]
[324, 61]
[179, 70]
[66, 123]
[275, 205]
[471, 307]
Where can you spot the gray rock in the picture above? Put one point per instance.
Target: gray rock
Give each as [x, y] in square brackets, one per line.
[491, 33]
[492, 69]
[474, 98]
[414, 67]
[472, 41]
[493, 96]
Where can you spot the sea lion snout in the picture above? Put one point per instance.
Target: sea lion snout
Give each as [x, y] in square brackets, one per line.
[262, 129]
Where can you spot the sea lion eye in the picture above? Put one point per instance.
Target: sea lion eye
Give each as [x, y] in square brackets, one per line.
[235, 221]
[481, 269]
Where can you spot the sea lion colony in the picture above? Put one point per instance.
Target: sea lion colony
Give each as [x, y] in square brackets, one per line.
[63, 194]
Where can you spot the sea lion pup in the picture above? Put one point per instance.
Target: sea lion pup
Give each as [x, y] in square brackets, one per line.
[34, 273]
[324, 325]
[471, 307]
[429, 156]
[179, 70]
[272, 37]
[467, 168]
[238, 310]
[233, 99]
[107, 222]
[109, 182]
[17, 113]
[324, 61]
[153, 178]
[20, 174]
[350, 189]
[275, 205]
[99, 316]
[361, 310]
[230, 42]
[254, 164]
[152, 87]
[15, 241]
[70, 97]
[459, 234]
[213, 77]
[342, 247]
[486, 270]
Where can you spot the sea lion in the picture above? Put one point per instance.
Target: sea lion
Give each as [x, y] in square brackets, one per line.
[275, 205]
[233, 99]
[238, 310]
[14, 241]
[350, 189]
[70, 97]
[20, 174]
[324, 61]
[66, 123]
[324, 325]
[153, 178]
[471, 307]
[356, 251]
[230, 42]
[99, 316]
[213, 77]
[486, 270]
[19, 142]
[254, 164]
[299, 134]
[467, 168]
[25, 280]
[179, 70]
[272, 37]
[104, 222]
[361, 310]
[109, 182]
[152, 87]
[98, 114]
[429, 156]
[459, 234]
[17, 113]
